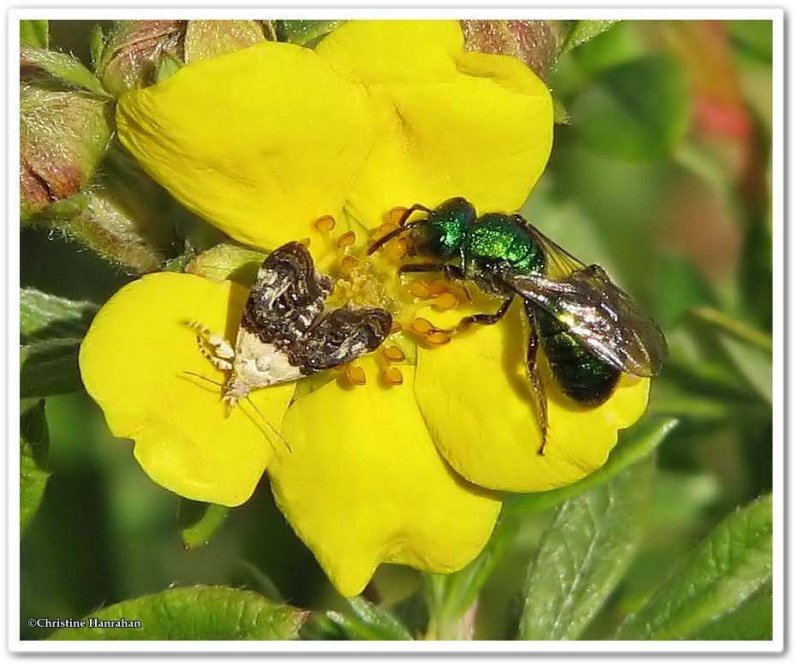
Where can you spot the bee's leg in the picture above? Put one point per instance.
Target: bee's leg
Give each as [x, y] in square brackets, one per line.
[451, 272]
[481, 318]
[539, 399]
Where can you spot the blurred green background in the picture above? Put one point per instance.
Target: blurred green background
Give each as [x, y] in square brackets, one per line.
[660, 174]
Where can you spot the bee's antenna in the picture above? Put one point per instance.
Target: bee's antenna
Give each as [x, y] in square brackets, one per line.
[402, 227]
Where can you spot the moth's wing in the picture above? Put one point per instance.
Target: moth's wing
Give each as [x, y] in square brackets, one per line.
[287, 295]
[603, 317]
[339, 336]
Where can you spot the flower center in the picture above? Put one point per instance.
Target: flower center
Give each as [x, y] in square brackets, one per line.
[374, 282]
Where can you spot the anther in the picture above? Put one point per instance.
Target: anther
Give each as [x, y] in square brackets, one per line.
[396, 249]
[355, 375]
[419, 289]
[395, 327]
[325, 224]
[438, 286]
[305, 241]
[422, 326]
[347, 239]
[348, 262]
[393, 376]
[437, 338]
[445, 301]
[395, 215]
[393, 354]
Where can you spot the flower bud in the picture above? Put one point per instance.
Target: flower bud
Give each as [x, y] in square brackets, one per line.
[132, 52]
[533, 42]
[123, 216]
[63, 136]
[206, 39]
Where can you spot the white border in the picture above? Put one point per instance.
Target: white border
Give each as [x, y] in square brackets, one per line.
[324, 10]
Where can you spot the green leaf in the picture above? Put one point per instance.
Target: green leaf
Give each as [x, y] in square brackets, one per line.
[168, 65]
[50, 367]
[753, 38]
[97, 45]
[33, 451]
[459, 590]
[34, 33]
[194, 613]
[368, 622]
[635, 445]
[304, 33]
[583, 31]
[750, 620]
[584, 554]
[43, 316]
[62, 66]
[639, 110]
[227, 262]
[728, 566]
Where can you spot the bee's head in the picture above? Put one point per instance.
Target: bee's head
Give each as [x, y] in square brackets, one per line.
[444, 232]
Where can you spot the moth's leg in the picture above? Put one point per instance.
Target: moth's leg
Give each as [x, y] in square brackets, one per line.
[481, 318]
[539, 399]
[222, 349]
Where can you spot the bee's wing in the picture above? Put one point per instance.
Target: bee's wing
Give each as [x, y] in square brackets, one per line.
[287, 295]
[560, 264]
[339, 336]
[602, 316]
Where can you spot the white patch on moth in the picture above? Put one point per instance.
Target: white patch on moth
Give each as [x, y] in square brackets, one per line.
[257, 364]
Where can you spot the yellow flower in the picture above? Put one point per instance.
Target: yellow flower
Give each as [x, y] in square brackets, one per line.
[263, 142]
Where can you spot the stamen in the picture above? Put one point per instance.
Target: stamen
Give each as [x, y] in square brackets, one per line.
[439, 285]
[396, 327]
[347, 239]
[325, 224]
[305, 242]
[422, 326]
[445, 301]
[394, 216]
[437, 338]
[348, 263]
[393, 376]
[393, 354]
[397, 249]
[355, 375]
[419, 288]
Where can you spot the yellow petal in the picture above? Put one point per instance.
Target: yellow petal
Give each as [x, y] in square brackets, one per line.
[133, 361]
[451, 122]
[364, 484]
[261, 142]
[476, 400]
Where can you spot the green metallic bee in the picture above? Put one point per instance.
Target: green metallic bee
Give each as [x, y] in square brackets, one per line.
[590, 330]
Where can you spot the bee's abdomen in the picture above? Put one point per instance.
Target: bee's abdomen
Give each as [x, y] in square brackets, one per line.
[582, 376]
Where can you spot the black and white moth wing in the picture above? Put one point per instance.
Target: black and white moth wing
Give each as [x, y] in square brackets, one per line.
[287, 296]
[339, 336]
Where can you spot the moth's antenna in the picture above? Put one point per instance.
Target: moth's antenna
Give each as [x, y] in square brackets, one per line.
[202, 377]
[255, 408]
[267, 422]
